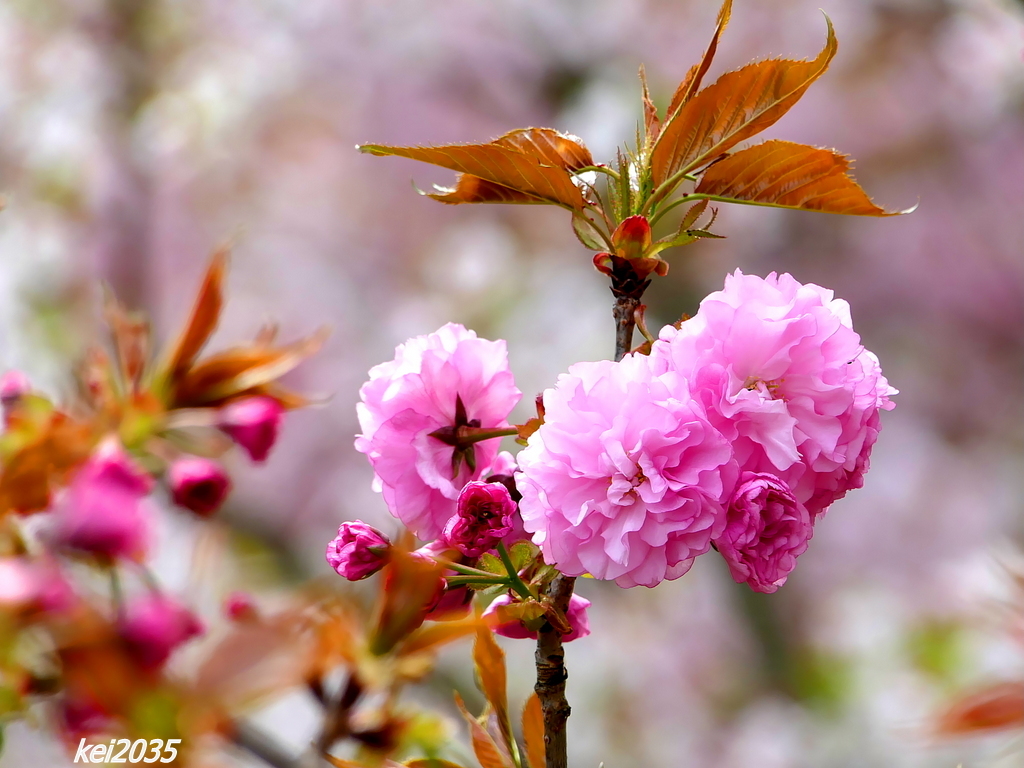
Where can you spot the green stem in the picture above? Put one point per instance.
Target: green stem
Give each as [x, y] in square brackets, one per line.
[675, 203]
[465, 570]
[513, 574]
[600, 169]
[666, 188]
[459, 581]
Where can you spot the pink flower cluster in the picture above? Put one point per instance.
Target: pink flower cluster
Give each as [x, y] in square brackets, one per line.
[740, 429]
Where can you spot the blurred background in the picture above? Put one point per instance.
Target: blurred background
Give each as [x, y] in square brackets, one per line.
[137, 136]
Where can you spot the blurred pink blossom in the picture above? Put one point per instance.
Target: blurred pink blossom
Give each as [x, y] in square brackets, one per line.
[418, 393]
[13, 384]
[625, 478]
[154, 626]
[104, 510]
[198, 484]
[253, 423]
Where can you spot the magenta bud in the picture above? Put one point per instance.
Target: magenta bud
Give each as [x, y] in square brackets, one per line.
[13, 385]
[358, 551]
[103, 511]
[485, 514]
[576, 615]
[239, 606]
[154, 626]
[253, 424]
[198, 484]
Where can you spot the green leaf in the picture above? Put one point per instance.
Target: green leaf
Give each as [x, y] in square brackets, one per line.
[491, 564]
[523, 553]
[587, 233]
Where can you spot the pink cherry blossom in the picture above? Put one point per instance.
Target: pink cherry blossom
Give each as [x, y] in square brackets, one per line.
[626, 477]
[485, 515]
[766, 529]
[418, 393]
[154, 626]
[104, 510]
[253, 423]
[780, 371]
[198, 484]
[358, 551]
[576, 615]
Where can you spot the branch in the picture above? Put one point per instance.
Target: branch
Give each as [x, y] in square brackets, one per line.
[551, 677]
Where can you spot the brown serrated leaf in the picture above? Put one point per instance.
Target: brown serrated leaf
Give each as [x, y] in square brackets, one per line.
[783, 174]
[998, 707]
[652, 123]
[131, 339]
[533, 732]
[203, 318]
[550, 147]
[735, 107]
[243, 370]
[498, 164]
[473, 189]
[489, 660]
[487, 751]
[691, 83]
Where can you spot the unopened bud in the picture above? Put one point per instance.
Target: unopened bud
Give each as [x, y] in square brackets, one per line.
[198, 484]
[253, 424]
[358, 551]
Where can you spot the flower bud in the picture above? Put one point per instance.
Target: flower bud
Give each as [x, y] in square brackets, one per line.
[198, 484]
[103, 511]
[13, 385]
[484, 516]
[239, 606]
[358, 551]
[253, 424]
[576, 616]
[632, 238]
[154, 626]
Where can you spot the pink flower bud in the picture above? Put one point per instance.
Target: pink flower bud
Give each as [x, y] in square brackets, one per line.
[358, 551]
[576, 615]
[253, 424]
[239, 606]
[13, 385]
[484, 516]
[103, 511]
[154, 626]
[198, 484]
